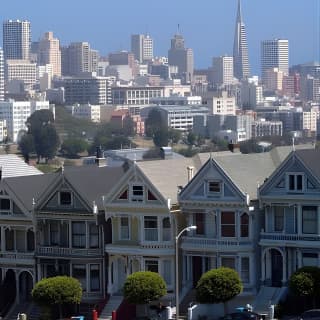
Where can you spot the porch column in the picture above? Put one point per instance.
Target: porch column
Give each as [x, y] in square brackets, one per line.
[17, 286]
[110, 275]
[268, 264]
[263, 266]
[70, 234]
[299, 256]
[299, 219]
[3, 239]
[284, 265]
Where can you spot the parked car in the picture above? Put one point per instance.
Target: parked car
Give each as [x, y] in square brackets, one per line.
[313, 314]
[242, 315]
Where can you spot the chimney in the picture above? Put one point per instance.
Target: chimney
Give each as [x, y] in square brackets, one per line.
[100, 159]
[234, 147]
[190, 170]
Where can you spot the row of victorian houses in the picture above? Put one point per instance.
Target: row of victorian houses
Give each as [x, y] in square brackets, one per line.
[256, 213]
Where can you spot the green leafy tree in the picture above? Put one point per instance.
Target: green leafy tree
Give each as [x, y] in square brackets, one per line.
[154, 123]
[218, 285]
[305, 283]
[26, 146]
[144, 286]
[46, 140]
[161, 137]
[73, 146]
[57, 291]
[191, 138]
[128, 126]
[174, 135]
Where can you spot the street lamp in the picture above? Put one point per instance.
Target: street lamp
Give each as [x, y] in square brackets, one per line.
[177, 266]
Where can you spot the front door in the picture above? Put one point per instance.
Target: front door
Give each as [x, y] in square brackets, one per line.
[196, 269]
[276, 268]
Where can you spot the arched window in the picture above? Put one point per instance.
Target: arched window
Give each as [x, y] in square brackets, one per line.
[244, 226]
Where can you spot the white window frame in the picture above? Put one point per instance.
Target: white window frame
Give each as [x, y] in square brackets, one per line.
[295, 175]
[214, 193]
[120, 228]
[157, 228]
[283, 217]
[137, 198]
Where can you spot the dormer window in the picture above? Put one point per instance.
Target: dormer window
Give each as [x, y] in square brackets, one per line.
[65, 198]
[5, 206]
[137, 193]
[295, 182]
[214, 187]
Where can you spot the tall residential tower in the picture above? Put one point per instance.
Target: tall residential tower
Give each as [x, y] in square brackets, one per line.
[16, 39]
[240, 48]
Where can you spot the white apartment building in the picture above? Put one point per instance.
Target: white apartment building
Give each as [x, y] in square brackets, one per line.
[263, 128]
[86, 111]
[274, 54]
[3, 130]
[222, 70]
[49, 53]
[251, 95]
[16, 113]
[21, 70]
[1, 75]
[220, 103]
[142, 47]
[16, 39]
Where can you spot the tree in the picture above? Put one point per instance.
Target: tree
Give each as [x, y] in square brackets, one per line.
[46, 140]
[174, 135]
[161, 137]
[218, 285]
[128, 126]
[26, 146]
[191, 138]
[305, 282]
[57, 291]
[73, 146]
[154, 123]
[144, 286]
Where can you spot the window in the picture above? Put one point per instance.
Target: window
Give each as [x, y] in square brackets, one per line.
[166, 229]
[309, 220]
[295, 182]
[78, 234]
[30, 240]
[94, 277]
[245, 270]
[9, 235]
[167, 272]
[137, 193]
[244, 225]
[54, 233]
[200, 222]
[124, 228]
[278, 219]
[228, 227]
[93, 236]
[5, 204]
[151, 228]
[228, 262]
[79, 272]
[151, 265]
[310, 259]
[214, 187]
[65, 198]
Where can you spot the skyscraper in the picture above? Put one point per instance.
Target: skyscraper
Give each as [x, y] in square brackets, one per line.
[274, 54]
[16, 39]
[222, 70]
[1, 75]
[142, 47]
[240, 48]
[181, 57]
[49, 53]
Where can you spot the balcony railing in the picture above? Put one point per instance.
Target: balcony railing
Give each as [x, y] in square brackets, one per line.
[68, 252]
[205, 243]
[288, 237]
[17, 255]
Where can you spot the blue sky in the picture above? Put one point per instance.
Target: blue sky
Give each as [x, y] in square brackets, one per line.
[207, 25]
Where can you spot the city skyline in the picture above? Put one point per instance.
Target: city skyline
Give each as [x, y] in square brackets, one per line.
[108, 26]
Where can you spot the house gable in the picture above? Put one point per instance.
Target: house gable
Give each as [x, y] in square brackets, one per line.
[291, 178]
[211, 183]
[135, 187]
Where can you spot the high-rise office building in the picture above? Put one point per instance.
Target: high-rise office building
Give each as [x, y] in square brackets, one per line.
[142, 47]
[274, 54]
[181, 57]
[240, 48]
[222, 68]
[77, 58]
[1, 75]
[16, 39]
[49, 53]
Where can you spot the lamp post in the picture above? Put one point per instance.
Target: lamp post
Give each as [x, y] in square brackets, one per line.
[177, 266]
